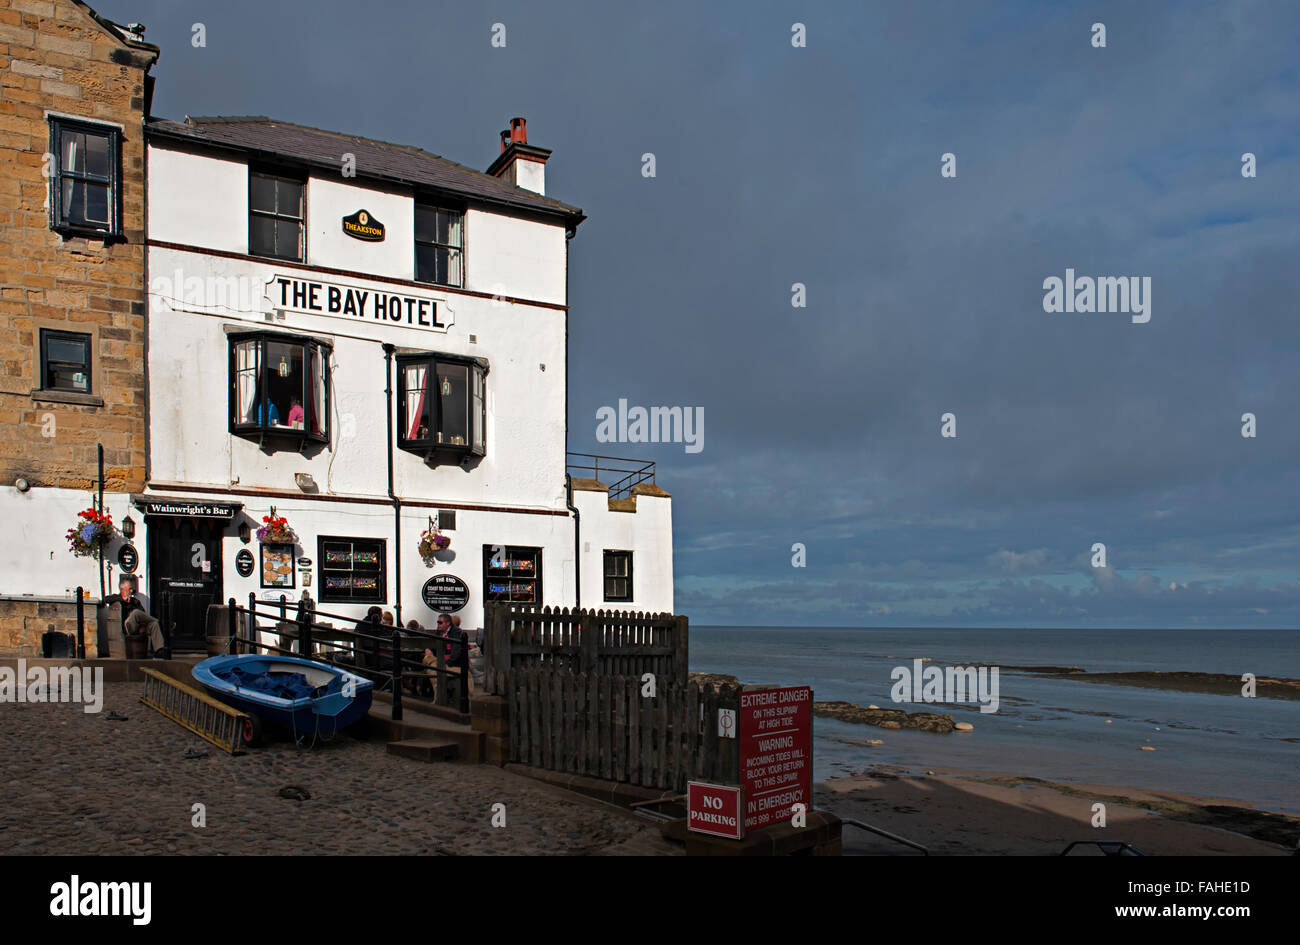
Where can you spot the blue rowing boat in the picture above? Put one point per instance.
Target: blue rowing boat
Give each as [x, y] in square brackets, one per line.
[288, 692]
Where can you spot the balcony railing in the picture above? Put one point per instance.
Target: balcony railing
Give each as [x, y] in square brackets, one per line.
[619, 474]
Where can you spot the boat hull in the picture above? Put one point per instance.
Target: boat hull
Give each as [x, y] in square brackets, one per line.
[341, 699]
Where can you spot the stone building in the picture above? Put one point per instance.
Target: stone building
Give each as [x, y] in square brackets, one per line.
[74, 91]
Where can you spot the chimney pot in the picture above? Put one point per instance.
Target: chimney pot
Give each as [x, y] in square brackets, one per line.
[519, 130]
[505, 138]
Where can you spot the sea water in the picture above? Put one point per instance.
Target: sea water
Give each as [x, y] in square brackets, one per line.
[1054, 728]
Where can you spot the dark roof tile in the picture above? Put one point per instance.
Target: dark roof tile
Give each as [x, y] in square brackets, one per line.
[375, 159]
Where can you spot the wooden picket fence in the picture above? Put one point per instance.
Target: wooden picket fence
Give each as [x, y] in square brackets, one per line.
[609, 642]
[601, 726]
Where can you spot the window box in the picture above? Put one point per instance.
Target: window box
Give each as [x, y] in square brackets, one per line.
[441, 405]
[512, 574]
[85, 179]
[618, 576]
[352, 570]
[279, 387]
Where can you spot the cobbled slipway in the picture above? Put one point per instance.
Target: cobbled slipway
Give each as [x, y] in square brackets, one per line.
[77, 783]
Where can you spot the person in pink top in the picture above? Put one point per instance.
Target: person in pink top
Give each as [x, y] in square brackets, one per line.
[295, 413]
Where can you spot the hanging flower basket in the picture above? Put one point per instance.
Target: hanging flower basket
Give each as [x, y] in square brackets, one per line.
[431, 542]
[92, 532]
[275, 530]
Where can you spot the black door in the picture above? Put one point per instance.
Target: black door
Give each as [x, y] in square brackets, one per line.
[185, 576]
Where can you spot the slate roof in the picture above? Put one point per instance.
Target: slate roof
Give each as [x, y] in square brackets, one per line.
[376, 160]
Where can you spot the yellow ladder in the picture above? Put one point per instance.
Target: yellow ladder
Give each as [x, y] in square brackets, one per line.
[197, 711]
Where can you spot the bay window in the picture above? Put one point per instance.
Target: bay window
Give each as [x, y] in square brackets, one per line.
[441, 404]
[279, 386]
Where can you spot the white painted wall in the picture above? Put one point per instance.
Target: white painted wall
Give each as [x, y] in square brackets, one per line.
[34, 558]
[330, 200]
[509, 256]
[647, 533]
[219, 220]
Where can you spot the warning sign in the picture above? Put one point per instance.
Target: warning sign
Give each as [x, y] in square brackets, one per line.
[775, 753]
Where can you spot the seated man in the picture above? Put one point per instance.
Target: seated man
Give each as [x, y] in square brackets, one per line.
[452, 652]
[136, 620]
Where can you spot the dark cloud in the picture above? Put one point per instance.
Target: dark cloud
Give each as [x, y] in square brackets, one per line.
[821, 166]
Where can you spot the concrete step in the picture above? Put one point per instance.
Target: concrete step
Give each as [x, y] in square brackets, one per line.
[471, 745]
[424, 707]
[426, 749]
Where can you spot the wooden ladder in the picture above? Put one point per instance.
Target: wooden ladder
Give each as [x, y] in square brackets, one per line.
[197, 711]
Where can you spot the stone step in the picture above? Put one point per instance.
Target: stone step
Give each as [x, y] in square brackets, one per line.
[426, 749]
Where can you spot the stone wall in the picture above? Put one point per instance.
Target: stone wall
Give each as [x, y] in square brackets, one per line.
[23, 621]
[57, 56]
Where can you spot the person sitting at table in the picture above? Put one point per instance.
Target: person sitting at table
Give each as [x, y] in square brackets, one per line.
[295, 413]
[365, 651]
[456, 640]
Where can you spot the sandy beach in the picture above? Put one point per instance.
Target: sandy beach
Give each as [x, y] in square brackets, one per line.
[978, 813]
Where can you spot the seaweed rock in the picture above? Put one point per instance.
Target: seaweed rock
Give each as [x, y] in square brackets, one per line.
[885, 718]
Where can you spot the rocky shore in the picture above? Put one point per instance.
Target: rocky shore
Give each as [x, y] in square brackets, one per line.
[1226, 684]
[886, 718]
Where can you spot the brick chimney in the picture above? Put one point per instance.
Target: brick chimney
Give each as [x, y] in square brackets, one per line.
[519, 162]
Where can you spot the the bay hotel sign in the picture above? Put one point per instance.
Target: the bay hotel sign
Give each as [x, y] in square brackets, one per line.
[317, 297]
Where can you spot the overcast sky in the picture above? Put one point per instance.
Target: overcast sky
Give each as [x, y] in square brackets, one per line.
[821, 165]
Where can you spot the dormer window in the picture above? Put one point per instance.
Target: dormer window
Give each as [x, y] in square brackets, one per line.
[441, 404]
[279, 387]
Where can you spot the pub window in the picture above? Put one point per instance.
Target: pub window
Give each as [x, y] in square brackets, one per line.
[352, 570]
[65, 361]
[438, 245]
[618, 575]
[512, 574]
[85, 178]
[275, 216]
[279, 385]
[441, 404]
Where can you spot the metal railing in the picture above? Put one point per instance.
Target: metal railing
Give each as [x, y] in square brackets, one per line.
[631, 472]
[375, 654]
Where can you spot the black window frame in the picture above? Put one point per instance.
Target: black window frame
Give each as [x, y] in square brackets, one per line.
[325, 596]
[263, 430]
[429, 446]
[48, 334]
[610, 555]
[279, 174]
[438, 207]
[512, 553]
[112, 230]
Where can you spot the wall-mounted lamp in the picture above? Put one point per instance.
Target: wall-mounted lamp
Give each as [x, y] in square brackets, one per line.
[245, 533]
[305, 482]
[128, 528]
[21, 484]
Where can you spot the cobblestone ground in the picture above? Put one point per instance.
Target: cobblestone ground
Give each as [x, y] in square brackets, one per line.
[79, 784]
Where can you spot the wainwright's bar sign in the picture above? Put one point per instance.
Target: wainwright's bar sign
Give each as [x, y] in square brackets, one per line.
[316, 297]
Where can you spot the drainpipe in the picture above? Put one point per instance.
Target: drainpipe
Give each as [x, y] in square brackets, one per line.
[397, 503]
[568, 480]
[577, 541]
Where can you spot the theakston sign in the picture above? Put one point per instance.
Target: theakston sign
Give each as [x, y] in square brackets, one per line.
[316, 297]
[362, 226]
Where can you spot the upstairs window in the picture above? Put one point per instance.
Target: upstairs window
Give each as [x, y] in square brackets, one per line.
[618, 576]
[279, 385]
[441, 404]
[275, 216]
[438, 246]
[65, 361]
[85, 178]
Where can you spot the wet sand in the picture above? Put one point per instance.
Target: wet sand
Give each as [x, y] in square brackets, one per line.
[974, 813]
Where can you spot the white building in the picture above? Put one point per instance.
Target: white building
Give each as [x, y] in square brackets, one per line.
[367, 337]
